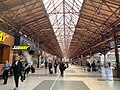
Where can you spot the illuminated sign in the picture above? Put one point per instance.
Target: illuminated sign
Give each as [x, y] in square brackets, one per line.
[3, 37]
[23, 47]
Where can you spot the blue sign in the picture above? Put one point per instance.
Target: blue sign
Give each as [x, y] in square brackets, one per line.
[112, 44]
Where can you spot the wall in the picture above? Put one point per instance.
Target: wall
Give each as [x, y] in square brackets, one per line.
[8, 52]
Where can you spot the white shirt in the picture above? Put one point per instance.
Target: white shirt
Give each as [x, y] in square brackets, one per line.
[16, 62]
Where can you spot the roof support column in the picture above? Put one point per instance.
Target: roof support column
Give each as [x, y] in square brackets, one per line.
[117, 56]
[105, 61]
[91, 55]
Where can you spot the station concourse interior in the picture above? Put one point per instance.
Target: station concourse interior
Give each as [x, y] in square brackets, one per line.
[67, 44]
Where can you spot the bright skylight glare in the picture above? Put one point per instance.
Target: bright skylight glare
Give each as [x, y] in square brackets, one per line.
[63, 15]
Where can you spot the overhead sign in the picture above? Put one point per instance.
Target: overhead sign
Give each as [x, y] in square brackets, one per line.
[112, 44]
[47, 54]
[23, 47]
[3, 37]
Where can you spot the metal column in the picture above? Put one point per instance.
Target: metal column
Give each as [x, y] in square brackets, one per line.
[117, 55]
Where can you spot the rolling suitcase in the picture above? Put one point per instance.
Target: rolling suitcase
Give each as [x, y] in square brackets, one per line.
[32, 70]
[51, 71]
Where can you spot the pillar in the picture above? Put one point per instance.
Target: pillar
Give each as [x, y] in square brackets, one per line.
[117, 56]
[104, 59]
[38, 64]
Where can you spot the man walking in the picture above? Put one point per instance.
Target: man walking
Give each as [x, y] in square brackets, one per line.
[55, 66]
[62, 68]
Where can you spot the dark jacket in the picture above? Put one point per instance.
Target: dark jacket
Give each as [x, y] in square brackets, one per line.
[46, 64]
[88, 64]
[50, 65]
[55, 65]
[62, 66]
[93, 65]
[17, 68]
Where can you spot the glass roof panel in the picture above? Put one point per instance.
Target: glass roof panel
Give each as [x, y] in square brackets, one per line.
[63, 15]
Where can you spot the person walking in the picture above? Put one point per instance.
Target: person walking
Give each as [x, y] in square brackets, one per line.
[50, 68]
[55, 67]
[17, 67]
[67, 64]
[6, 69]
[88, 66]
[46, 64]
[93, 66]
[62, 68]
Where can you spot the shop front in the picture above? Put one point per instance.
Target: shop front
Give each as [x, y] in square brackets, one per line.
[6, 52]
[48, 57]
[24, 44]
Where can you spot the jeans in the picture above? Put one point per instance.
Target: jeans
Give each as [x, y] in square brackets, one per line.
[16, 78]
[5, 76]
[62, 72]
[55, 69]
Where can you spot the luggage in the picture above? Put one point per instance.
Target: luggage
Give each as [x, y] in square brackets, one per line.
[32, 70]
[51, 71]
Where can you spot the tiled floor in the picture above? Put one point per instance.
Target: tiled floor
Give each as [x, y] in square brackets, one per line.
[62, 85]
[74, 79]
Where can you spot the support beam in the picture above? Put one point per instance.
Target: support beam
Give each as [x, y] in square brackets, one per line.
[117, 56]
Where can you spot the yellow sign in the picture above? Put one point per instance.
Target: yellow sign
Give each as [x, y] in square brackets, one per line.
[24, 47]
[3, 37]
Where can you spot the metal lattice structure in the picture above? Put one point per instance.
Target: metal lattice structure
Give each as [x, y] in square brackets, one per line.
[63, 15]
[29, 18]
[98, 23]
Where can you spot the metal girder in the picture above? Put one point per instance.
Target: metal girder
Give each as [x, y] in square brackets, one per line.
[11, 23]
[61, 14]
[95, 20]
[31, 17]
[12, 6]
[100, 43]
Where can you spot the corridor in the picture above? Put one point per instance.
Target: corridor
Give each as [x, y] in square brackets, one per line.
[74, 79]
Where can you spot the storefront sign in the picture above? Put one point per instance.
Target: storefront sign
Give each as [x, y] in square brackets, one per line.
[3, 37]
[23, 47]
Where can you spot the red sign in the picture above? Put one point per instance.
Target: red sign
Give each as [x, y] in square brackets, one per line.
[47, 54]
